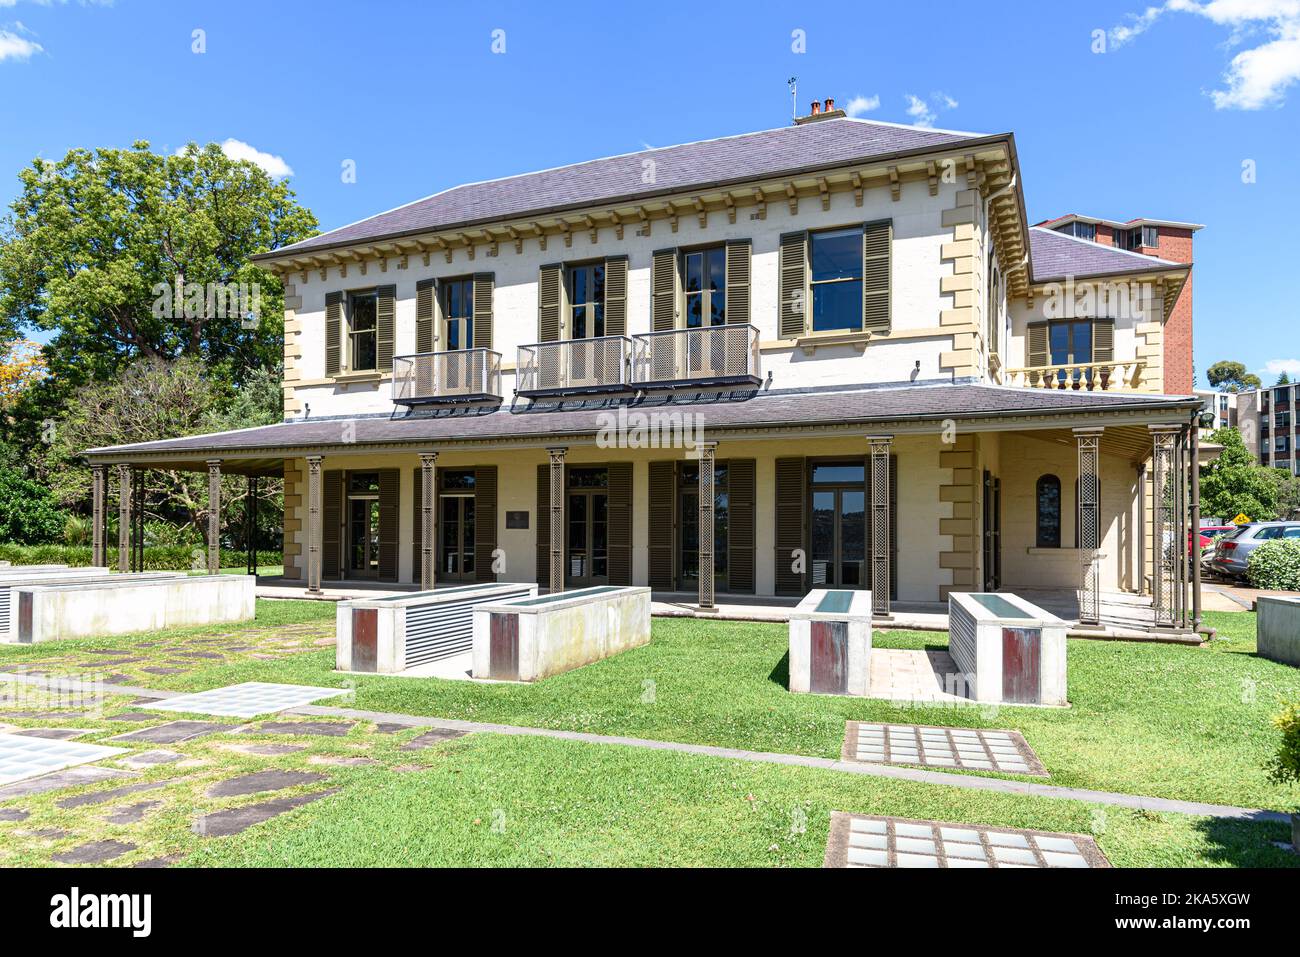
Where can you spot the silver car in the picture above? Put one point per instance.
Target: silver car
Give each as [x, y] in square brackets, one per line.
[1232, 552]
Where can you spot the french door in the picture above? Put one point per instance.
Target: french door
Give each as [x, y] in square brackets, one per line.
[456, 524]
[838, 556]
[363, 536]
[588, 537]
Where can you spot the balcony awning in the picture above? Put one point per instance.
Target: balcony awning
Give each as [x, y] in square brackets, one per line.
[750, 414]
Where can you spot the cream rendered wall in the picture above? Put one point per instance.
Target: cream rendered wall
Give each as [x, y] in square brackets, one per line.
[916, 303]
[1127, 339]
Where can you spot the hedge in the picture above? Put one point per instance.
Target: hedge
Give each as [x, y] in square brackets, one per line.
[157, 558]
[1275, 565]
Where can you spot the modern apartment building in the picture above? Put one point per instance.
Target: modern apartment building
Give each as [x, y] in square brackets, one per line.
[830, 354]
[1272, 415]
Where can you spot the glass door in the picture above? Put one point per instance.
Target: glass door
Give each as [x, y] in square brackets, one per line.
[689, 550]
[363, 525]
[587, 535]
[839, 526]
[456, 521]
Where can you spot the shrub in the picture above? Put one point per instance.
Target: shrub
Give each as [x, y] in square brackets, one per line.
[76, 530]
[174, 558]
[1284, 767]
[28, 512]
[1276, 565]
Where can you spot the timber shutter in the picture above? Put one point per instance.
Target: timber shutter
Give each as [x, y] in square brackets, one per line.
[484, 283]
[550, 282]
[793, 317]
[616, 296]
[739, 257]
[332, 524]
[389, 487]
[663, 282]
[877, 245]
[1103, 340]
[385, 310]
[333, 332]
[417, 524]
[620, 523]
[1036, 349]
[485, 518]
[791, 533]
[543, 526]
[893, 528]
[663, 494]
[426, 292]
[741, 487]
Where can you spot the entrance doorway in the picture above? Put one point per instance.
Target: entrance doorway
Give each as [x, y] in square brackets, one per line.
[839, 525]
[689, 550]
[456, 525]
[587, 536]
[363, 525]
[992, 532]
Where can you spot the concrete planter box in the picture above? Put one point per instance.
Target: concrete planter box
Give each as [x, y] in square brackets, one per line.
[117, 606]
[1277, 629]
[8, 571]
[390, 635]
[1011, 651]
[533, 638]
[9, 586]
[830, 642]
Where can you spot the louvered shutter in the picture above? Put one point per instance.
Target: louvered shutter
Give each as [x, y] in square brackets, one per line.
[385, 312]
[791, 533]
[663, 281]
[741, 530]
[549, 297]
[793, 319]
[333, 332]
[619, 526]
[1036, 349]
[893, 528]
[663, 532]
[417, 523]
[543, 536]
[616, 296]
[877, 245]
[739, 257]
[1103, 340]
[332, 525]
[485, 518]
[484, 284]
[389, 486]
[425, 293]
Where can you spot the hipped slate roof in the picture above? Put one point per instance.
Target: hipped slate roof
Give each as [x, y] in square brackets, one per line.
[616, 178]
[1054, 255]
[848, 406]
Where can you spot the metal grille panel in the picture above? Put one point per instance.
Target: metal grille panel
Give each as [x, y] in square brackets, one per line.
[442, 629]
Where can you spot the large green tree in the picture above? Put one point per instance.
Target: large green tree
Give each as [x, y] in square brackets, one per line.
[1235, 484]
[1229, 376]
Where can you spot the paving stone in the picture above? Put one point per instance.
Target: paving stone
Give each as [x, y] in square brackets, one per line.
[160, 670]
[340, 761]
[134, 716]
[430, 738]
[170, 733]
[270, 750]
[149, 759]
[387, 727]
[103, 797]
[235, 820]
[132, 813]
[330, 729]
[1005, 751]
[159, 862]
[45, 715]
[210, 655]
[69, 778]
[259, 781]
[56, 734]
[247, 699]
[96, 852]
[13, 814]
[45, 833]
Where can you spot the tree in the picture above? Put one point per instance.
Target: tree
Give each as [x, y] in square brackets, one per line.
[1288, 492]
[1284, 379]
[29, 514]
[1234, 484]
[21, 367]
[1229, 376]
[130, 254]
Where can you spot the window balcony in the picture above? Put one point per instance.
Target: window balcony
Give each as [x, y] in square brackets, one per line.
[705, 356]
[1089, 376]
[466, 375]
[574, 366]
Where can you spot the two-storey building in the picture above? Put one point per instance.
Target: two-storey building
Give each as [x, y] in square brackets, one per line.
[828, 354]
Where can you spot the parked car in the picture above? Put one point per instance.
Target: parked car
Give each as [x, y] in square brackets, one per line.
[1208, 534]
[1231, 554]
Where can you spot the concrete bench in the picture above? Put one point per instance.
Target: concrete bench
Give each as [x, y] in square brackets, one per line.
[116, 607]
[1011, 651]
[9, 586]
[532, 638]
[830, 642]
[1277, 628]
[390, 635]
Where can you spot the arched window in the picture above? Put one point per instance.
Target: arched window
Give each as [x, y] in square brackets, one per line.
[1048, 522]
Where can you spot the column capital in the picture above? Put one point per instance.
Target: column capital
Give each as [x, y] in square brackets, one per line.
[1157, 429]
[428, 458]
[212, 462]
[1089, 430]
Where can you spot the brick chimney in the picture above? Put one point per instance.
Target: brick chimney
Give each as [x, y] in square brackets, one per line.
[819, 111]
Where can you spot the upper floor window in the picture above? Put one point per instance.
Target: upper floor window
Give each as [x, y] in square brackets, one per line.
[1079, 230]
[704, 283]
[587, 301]
[835, 257]
[1048, 509]
[1131, 239]
[363, 330]
[456, 297]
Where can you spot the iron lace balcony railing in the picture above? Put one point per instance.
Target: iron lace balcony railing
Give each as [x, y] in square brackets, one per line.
[572, 366]
[705, 356]
[465, 375]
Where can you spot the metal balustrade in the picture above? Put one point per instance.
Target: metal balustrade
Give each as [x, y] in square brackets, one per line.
[465, 375]
[568, 366]
[708, 355]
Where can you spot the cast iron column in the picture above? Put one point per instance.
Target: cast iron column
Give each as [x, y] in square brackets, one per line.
[214, 516]
[557, 519]
[706, 497]
[428, 484]
[1089, 441]
[98, 478]
[1196, 528]
[313, 525]
[124, 518]
[880, 492]
[1163, 553]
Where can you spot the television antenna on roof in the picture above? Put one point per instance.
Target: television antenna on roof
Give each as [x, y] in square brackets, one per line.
[793, 83]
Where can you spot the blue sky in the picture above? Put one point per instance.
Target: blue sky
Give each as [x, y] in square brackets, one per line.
[1159, 124]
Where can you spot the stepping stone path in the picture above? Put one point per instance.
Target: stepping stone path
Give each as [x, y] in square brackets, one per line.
[132, 813]
[56, 734]
[96, 852]
[71, 778]
[148, 759]
[949, 748]
[103, 797]
[260, 781]
[159, 670]
[13, 814]
[385, 727]
[869, 841]
[134, 716]
[170, 733]
[430, 738]
[248, 699]
[235, 820]
[343, 762]
[271, 750]
[329, 729]
[160, 862]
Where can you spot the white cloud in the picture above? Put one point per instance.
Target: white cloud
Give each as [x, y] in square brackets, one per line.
[1277, 366]
[275, 166]
[925, 112]
[16, 47]
[1256, 77]
[862, 104]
